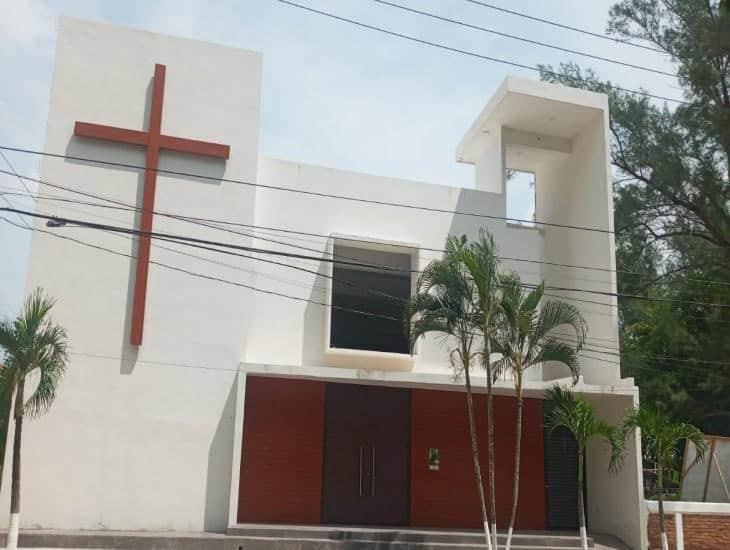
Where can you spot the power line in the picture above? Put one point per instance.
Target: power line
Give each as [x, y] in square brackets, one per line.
[304, 191]
[203, 275]
[191, 219]
[412, 271]
[522, 38]
[468, 52]
[197, 241]
[3, 195]
[256, 289]
[564, 26]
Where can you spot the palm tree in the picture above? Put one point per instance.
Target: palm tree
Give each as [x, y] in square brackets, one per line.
[30, 343]
[482, 263]
[661, 439]
[577, 416]
[525, 338]
[444, 304]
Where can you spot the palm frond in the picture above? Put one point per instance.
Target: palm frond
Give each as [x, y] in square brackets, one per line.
[51, 360]
[661, 437]
[32, 341]
[555, 314]
[577, 415]
[444, 301]
[557, 351]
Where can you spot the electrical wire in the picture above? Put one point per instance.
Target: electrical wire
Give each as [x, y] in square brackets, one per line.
[564, 26]
[467, 52]
[521, 38]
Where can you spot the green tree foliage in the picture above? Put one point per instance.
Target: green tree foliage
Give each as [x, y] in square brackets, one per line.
[34, 359]
[672, 198]
[525, 337]
[661, 440]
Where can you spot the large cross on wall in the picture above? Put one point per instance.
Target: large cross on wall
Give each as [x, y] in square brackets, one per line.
[153, 140]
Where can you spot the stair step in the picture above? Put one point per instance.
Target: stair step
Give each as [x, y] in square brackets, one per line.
[255, 537]
[264, 543]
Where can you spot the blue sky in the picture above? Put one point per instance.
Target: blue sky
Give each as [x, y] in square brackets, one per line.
[332, 94]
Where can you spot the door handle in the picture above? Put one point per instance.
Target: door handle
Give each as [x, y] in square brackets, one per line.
[372, 475]
[361, 450]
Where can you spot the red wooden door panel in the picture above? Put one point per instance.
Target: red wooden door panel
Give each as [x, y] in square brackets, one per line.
[281, 463]
[447, 497]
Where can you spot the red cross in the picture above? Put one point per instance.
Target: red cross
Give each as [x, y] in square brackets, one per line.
[153, 140]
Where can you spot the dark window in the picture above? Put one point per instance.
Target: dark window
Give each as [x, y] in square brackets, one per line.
[369, 303]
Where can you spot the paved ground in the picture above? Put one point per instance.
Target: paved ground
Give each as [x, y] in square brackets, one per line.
[603, 542]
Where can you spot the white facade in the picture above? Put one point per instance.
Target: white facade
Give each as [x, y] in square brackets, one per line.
[150, 438]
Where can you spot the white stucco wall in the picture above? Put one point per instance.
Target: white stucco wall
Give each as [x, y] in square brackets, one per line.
[616, 500]
[289, 332]
[141, 439]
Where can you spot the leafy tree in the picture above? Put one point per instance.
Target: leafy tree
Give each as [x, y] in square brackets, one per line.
[481, 262]
[576, 414]
[661, 439]
[32, 345]
[672, 205]
[525, 338]
[444, 305]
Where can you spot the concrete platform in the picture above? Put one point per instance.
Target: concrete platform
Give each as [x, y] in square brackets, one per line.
[267, 537]
[264, 537]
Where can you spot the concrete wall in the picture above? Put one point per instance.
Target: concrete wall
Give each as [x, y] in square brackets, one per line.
[577, 191]
[616, 500]
[141, 438]
[292, 332]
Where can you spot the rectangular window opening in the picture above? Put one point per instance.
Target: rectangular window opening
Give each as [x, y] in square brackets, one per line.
[368, 302]
[521, 197]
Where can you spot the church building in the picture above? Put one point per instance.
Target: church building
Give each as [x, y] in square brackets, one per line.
[244, 390]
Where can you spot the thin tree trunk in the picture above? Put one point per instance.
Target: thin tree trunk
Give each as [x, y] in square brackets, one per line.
[490, 437]
[581, 505]
[14, 527]
[518, 450]
[662, 527]
[475, 455]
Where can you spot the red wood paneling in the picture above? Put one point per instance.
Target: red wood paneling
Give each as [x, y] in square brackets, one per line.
[281, 464]
[448, 497]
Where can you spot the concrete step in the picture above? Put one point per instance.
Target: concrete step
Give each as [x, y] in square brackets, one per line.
[267, 537]
[251, 543]
[356, 538]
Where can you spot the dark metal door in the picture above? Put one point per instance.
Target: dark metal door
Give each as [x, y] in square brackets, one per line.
[366, 456]
[561, 480]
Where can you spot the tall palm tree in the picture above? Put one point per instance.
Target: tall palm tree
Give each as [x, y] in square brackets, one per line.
[482, 263]
[444, 305]
[661, 439]
[525, 338]
[576, 414]
[31, 343]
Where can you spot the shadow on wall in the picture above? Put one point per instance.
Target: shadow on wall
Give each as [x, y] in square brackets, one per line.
[220, 464]
[313, 339]
[128, 158]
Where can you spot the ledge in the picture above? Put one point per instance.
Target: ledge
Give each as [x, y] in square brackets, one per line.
[683, 507]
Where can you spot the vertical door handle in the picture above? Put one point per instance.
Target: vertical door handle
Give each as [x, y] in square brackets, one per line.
[372, 476]
[361, 469]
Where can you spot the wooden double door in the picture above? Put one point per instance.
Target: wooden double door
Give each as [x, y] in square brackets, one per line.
[366, 475]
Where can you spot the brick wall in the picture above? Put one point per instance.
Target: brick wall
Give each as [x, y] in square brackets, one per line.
[701, 531]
